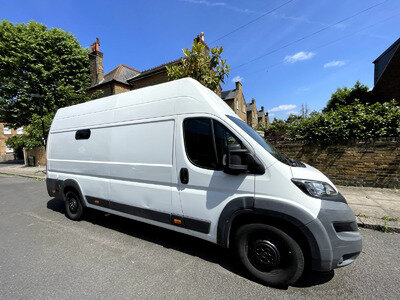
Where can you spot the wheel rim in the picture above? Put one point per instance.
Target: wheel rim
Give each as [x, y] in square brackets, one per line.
[73, 204]
[264, 253]
[268, 253]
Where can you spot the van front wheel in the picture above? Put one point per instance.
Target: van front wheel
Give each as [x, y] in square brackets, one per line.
[73, 206]
[269, 254]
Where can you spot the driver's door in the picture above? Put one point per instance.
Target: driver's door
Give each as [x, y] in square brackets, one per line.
[204, 188]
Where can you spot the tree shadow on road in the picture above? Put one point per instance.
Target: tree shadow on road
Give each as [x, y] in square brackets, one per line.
[181, 242]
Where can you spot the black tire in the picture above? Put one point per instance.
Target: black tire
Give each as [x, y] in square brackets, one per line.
[269, 254]
[73, 206]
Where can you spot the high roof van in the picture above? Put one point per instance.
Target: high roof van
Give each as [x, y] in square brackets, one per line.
[176, 156]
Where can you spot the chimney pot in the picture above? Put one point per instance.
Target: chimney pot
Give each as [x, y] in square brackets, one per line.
[96, 63]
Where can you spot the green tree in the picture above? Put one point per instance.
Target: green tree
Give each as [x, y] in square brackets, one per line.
[36, 59]
[347, 96]
[357, 121]
[209, 70]
[34, 133]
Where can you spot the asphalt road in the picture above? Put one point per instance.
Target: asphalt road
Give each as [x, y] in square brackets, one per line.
[45, 255]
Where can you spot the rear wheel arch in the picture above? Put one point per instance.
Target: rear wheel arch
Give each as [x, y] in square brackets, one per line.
[73, 185]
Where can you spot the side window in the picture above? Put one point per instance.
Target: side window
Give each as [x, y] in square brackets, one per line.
[82, 134]
[202, 151]
[199, 142]
[223, 138]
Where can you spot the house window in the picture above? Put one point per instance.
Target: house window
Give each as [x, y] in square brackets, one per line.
[20, 130]
[237, 105]
[6, 130]
[9, 150]
[244, 108]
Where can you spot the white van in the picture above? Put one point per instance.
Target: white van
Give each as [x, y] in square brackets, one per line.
[176, 156]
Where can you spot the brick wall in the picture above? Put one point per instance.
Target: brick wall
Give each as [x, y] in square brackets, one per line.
[39, 153]
[362, 164]
[3, 139]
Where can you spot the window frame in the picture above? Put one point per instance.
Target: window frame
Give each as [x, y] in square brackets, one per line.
[9, 150]
[8, 128]
[20, 130]
[211, 120]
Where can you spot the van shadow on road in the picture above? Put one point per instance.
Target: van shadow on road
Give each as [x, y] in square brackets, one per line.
[181, 242]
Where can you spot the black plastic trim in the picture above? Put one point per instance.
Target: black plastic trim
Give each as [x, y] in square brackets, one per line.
[227, 215]
[163, 217]
[98, 201]
[269, 210]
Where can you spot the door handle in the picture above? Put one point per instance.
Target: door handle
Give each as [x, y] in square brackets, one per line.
[184, 175]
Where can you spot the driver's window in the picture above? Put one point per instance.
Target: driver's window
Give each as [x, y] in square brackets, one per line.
[223, 138]
[199, 135]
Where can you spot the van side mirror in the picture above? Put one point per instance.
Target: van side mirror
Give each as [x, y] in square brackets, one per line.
[238, 160]
[234, 160]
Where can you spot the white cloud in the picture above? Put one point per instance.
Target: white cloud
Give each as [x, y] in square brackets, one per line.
[283, 107]
[221, 4]
[204, 2]
[292, 112]
[271, 115]
[303, 89]
[298, 56]
[335, 63]
[237, 78]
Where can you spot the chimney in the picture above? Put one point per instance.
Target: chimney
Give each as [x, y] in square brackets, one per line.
[253, 101]
[262, 108]
[238, 86]
[200, 39]
[96, 63]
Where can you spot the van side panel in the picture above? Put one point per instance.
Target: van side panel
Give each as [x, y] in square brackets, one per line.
[84, 160]
[141, 164]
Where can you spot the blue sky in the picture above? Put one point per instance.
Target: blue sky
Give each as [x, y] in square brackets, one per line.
[144, 34]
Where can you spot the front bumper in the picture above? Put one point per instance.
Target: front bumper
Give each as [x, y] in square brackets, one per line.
[336, 233]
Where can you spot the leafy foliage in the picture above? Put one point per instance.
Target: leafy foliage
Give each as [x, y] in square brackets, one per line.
[209, 70]
[346, 123]
[346, 96]
[36, 59]
[34, 133]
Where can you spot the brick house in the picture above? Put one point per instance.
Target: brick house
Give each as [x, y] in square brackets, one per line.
[262, 116]
[235, 99]
[252, 113]
[124, 78]
[115, 81]
[387, 74]
[6, 132]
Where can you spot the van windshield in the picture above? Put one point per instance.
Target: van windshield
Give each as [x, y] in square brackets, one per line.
[265, 144]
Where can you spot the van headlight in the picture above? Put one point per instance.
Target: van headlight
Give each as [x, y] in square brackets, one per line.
[313, 188]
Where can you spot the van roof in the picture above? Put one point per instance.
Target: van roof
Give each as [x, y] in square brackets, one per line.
[181, 96]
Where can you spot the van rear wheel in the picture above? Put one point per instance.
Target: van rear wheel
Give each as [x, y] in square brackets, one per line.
[269, 254]
[73, 206]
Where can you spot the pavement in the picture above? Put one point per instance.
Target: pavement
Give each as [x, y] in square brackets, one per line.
[375, 208]
[46, 255]
[17, 168]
